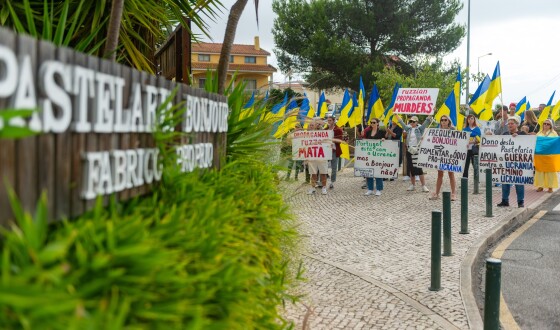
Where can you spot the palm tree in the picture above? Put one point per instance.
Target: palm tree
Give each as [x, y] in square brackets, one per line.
[229, 37]
[87, 25]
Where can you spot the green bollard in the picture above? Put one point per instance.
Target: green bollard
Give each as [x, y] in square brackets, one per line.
[476, 176]
[447, 224]
[492, 294]
[464, 206]
[435, 284]
[488, 192]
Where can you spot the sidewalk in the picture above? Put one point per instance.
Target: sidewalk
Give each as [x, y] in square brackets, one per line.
[367, 258]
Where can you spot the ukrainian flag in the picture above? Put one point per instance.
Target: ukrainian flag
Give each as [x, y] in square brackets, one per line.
[555, 115]
[248, 108]
[388, 115]
[375, 106]
[547, 154]
[495, 87]
[478, 100]
[322, 106]
[345, 111]
[546, 111]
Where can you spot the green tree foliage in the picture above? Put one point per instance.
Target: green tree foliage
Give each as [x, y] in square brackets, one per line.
[336, 41]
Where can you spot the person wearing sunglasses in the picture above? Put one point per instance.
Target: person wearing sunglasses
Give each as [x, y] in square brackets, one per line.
[546, 180]
[375, 133]
[413, 138]
[513, 130]
[445, 123]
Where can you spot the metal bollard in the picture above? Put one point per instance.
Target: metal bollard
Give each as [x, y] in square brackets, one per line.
[476, 175]
[488, 192]
[464, 206]
[447, 224]
[492, 294]
[435, 279]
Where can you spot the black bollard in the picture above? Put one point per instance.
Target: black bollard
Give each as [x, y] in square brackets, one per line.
[488, 192]
[435, 282]
[492, 294]
[447, 224]
[476, 175]
[464, 206]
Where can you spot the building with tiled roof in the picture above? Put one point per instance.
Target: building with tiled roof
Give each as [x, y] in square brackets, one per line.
[248, 62]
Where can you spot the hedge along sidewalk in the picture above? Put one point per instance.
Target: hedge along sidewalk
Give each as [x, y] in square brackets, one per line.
[368, 258]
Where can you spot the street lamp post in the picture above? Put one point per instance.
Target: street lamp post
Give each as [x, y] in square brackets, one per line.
[478, 68]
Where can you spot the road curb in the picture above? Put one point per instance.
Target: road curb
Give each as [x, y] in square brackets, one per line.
[468, 271]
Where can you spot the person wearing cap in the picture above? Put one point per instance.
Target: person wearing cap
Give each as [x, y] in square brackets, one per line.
[413, 138]
[548, 180]
[513, 130]
[512, 107]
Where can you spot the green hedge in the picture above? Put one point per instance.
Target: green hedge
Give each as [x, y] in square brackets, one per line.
[205, 251]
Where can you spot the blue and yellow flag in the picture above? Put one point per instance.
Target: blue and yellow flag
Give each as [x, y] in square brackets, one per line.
[555, 113]
[478, 100]
[375, 106]
[247, 108]
[322, 106]
[495, 87]
[547, 154]
[546, 111]
[290, 120]
[277, 112]
[521, 107]
[357, 116]
[450, 107]
[345, 109]
[388, 114]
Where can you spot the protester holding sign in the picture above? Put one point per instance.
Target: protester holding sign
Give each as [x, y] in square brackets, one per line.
[394, 132]
[413, 138]
[445, 123]
[513, 130]
[374, 132]
[315, 164]
[336, 151]
[547, 179]
[474, 142]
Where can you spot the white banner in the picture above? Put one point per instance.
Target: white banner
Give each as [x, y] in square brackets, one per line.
[416, 101]
[312, 145]
[510, 158]
[376, 158]
[444, 150]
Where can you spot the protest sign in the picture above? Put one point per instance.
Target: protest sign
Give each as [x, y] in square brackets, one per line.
[486, 126]
[312, 145]
[444, 150]
[416, 101]
[510, 158]
[376, 158]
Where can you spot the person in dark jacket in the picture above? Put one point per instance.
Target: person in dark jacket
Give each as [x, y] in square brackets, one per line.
[374, 132]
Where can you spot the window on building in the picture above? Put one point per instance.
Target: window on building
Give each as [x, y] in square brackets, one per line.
[231, 59]
[201, 82]
[250, 84]
[250, 59]
[203, 57]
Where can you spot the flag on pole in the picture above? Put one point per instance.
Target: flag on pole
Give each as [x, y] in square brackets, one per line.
[277, 112]
[478, 100]
[495, 87]
[355, 116]
[375, 106]
[322, 106]
[345, 107]
[289, 121]
[388, 114]
[555, 113]
[546, 111]
[247, 108]
[450, 107]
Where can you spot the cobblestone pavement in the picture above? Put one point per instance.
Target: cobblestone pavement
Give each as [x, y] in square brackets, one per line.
[367, 258]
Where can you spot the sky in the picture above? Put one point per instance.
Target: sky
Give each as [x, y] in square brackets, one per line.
[520, 34]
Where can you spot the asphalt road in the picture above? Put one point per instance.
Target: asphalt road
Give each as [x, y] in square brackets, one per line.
[531, 272]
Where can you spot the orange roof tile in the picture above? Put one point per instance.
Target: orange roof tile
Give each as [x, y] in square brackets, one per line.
[235, 67]
[215, 48]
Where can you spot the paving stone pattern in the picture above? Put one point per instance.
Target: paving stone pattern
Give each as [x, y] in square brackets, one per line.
[367, 258]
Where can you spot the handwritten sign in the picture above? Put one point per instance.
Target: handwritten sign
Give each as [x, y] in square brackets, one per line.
[444, 150]
[416, 101]
[510, 158]
[312, 145]
[376, 158]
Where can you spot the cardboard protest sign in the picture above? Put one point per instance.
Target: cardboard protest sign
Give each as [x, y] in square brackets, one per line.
[376, 158]
[510, 158]
[416, 101]
[444, 150]
[312, 145]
